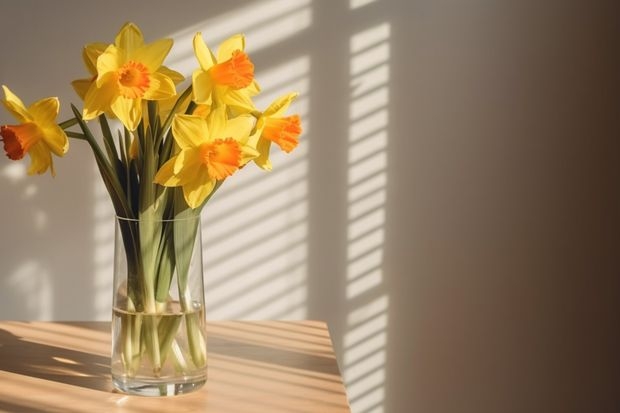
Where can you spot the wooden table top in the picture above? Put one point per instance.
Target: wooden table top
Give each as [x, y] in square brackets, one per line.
[254, 366]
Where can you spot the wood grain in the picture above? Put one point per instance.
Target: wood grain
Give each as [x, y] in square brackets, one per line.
[258, 366]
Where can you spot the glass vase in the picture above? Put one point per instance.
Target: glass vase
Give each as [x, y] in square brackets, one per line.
[158, 323]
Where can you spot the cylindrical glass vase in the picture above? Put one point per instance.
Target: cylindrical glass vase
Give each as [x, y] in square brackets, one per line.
[158, 324]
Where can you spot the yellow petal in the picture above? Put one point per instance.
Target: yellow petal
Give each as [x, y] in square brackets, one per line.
[165, 175]
[238, 128]
[248, 153]
[40, 159]
[189, 131]
[239, 99]
[160, 87]
[152, 55]
[217, 122]
[202, 110]
[262, 161]
[203, 87]
[253, 89]
[109, 61]
[15, 106]
[258, 129]
[280, 105]
[196, 192]
[228, 46]
[175, 76]
[56, 139]
[128, 111]
[187, 165]
[99, 99]
[44, 111]
[129, 38]
[81, 86]
[202, 52]
[90, 54]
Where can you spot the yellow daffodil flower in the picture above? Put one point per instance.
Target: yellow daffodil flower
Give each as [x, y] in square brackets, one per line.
[211, 150]
[37, 134]
[272, 126]
[129, 71]
[91, 53]
[227, 79]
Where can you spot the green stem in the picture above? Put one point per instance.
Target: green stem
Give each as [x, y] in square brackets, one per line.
[68, 123]
[107, 172]
[75, 135]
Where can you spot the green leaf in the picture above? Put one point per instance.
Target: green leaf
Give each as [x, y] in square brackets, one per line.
[166, 262]
[107, 172]
[185, 229]
[108, 141]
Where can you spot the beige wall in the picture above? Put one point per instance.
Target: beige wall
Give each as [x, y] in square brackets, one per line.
[454, 212]
[504, 208]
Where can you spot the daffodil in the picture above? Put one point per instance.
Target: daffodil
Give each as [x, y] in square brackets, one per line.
[128, 72]
[227, 79]
[91, 53]
[211, 150]
[37, 134]
[272, 126]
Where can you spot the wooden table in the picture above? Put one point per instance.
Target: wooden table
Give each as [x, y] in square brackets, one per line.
[266, 366]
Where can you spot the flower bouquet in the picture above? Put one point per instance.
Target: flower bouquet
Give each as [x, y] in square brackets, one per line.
[162, 153]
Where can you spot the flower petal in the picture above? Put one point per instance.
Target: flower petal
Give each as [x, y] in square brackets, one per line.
[44, 111]
[187, 165]
[56, 139]
[253, 89]
[165, 176]
[262, 161]
[99, 99]
[228, 46]
[128, 111]
[129, 38]
[202, 110]
[238, 128]
[109, 61]
[248, 153]
[153, 54]
[189, 131]
[203, 53]
[175, 76]
[196, 191]
[217, 122]
[239, 99]
[15, 106]
[40, 159]
[280, 105]
[81, 86]
[90, 54]
[160, 87]
[203, 87]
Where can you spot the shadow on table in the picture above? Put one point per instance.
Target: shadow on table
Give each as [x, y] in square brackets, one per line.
[52, 363]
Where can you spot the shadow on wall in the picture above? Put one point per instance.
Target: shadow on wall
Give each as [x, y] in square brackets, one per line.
[303, 241]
